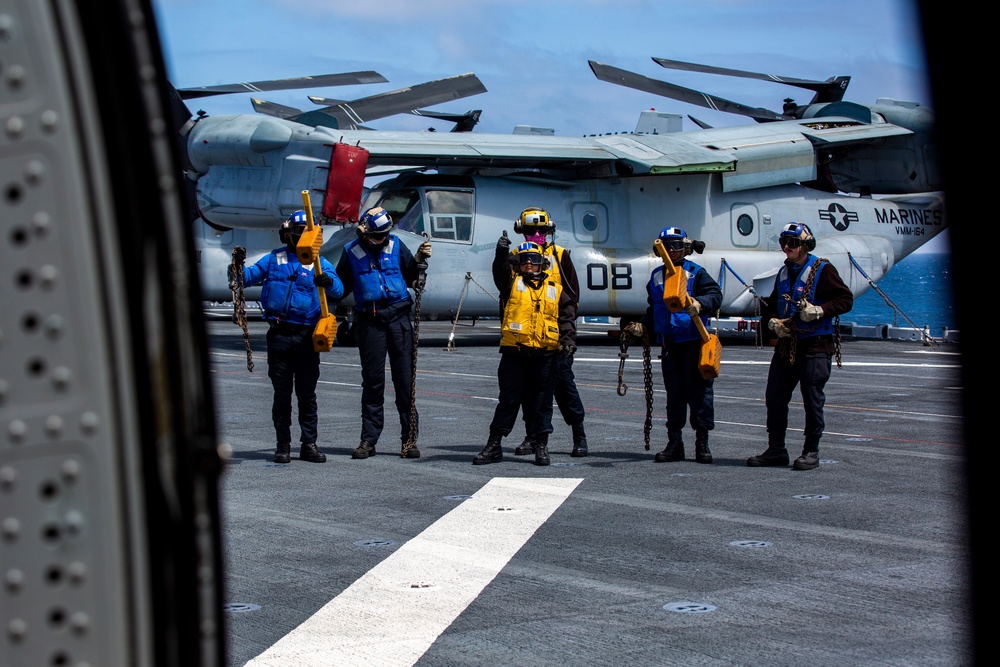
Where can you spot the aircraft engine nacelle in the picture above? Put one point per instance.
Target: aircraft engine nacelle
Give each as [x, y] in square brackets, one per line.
[250, 172]
[905, 164]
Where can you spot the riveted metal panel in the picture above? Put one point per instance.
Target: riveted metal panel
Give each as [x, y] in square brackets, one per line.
[87, 407]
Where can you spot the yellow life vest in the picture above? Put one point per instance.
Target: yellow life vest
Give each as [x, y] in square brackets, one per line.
[531, 316]
[555, 254]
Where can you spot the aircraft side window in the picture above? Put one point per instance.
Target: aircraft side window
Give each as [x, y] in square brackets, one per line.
[744, 225]
[450, 213]
[443, 227]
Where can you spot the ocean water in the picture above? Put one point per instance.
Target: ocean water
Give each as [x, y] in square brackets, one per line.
[920, 288]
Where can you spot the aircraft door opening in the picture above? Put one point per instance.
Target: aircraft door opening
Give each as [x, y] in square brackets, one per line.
[744, 225]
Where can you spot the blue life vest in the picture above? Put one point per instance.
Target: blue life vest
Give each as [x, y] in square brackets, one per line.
[378, 278]
[822, 326]
[288, 293]
[668, 326]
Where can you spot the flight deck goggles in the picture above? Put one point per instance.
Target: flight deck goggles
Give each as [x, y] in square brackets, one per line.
[673, 245]
[790, 242]
[523, 258]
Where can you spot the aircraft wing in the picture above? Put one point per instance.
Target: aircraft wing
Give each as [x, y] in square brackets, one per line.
[250, 166]
[747, 156]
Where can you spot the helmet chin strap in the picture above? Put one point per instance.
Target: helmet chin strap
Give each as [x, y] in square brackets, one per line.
[533, 278]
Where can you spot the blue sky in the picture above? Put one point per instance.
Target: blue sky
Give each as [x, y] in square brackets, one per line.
[532, 54]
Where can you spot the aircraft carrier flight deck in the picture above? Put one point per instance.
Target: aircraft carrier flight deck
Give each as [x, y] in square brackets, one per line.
[610, 559]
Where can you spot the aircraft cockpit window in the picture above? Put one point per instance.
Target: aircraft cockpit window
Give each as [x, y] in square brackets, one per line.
[412, 220]
[398, 202]
[403, 205]
[450, 214]
[371, 199]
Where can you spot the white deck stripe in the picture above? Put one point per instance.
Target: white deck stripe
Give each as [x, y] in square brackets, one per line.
[382, 620]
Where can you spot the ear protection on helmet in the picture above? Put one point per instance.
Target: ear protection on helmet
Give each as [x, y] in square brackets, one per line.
[534, 220]
[675, 238]
[292, 227]
[801, 231]
[375, 221]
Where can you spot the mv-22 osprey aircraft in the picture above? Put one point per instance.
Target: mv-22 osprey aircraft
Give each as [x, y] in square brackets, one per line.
[863, 177]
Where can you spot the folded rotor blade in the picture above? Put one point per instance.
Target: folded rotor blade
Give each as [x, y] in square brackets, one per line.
[464, 122]
[274, 109]
[672, 91]
[320, 81]
[831, 90]
[364, 110]
[325, 101]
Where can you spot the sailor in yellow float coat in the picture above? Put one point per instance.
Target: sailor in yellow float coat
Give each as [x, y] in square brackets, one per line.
[537, 327]
[538, 227]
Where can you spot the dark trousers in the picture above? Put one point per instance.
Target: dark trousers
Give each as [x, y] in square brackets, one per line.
[686, 388]
[292, 363]
[810, 372]
[526, 378]
[376, 339]
[566, 395]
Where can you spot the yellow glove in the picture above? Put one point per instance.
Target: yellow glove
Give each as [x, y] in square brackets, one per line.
[779, 328]
[809, 312]
[693, 308]
[424, 251]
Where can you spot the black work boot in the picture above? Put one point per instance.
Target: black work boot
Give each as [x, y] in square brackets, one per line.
[674, 451]
[491, 452]
[774, 455]
[810, 456]
[310, 452]
[283, 454]
[527, 446]
[701, 452]
[409, 451]
[542, 450]
[363, 451]
[579, 441]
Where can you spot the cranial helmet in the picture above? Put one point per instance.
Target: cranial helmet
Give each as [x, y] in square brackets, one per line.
[800, 231]
[528, 251]
[375, 221]
[291, 229]
[675, 238]
[534, 220]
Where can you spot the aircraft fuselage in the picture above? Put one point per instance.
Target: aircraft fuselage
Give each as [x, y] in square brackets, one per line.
[609, 226]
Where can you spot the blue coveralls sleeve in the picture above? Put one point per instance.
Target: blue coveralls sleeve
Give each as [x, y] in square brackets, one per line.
[254, 275]
[336, 290]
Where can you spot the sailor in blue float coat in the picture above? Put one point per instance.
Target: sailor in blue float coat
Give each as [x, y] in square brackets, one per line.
[681, 344]
[808, 296]
[378, 268]
[292, 308]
